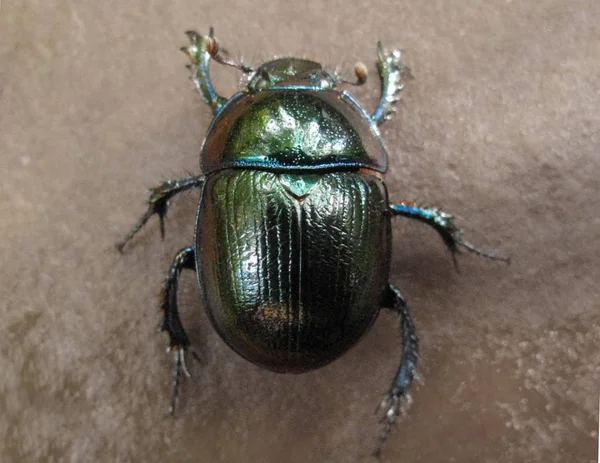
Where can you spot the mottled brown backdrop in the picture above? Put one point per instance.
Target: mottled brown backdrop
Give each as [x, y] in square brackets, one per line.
[501, 126]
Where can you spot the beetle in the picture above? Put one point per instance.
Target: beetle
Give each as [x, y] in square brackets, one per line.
[293, 231]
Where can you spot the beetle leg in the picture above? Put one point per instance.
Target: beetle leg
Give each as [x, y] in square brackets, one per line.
[443, 223]
[200, 54]
[391, 72]
[158, 203]
[397, 398]
[178, 339]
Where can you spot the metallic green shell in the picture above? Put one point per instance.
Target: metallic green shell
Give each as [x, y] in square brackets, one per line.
[293, 128]
[292, 267]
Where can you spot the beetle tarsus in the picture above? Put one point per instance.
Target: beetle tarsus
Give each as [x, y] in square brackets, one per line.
[395, 402]
[134, 230]
[179, 366]
[488, 255]
[443, 223]
[158, 203]
[397, 399]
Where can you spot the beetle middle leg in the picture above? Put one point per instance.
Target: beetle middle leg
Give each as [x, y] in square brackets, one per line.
[391, 72]
[392, 400]
[178, 339]
[443, 223]
[158, 203]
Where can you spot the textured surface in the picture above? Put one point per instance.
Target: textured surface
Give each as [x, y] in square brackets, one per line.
[291, 284]
[500, 126]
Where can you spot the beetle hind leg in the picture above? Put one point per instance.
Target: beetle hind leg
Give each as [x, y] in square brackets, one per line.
[179, 342]
[398, 398]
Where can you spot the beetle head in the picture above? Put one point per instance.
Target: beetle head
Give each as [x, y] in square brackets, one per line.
[290, 71]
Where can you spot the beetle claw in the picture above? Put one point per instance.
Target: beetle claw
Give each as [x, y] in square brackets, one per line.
[475, 250]
[161, 218]
[194, 36]
[179, 366]
[454, 253]
[396, 401]
[189, 51]
[180, 353]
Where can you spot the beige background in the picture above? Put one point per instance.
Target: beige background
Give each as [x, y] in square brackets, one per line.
[500, 126]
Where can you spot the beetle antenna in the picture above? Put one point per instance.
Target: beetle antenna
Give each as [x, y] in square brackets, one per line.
[215, 53]
[360, 71]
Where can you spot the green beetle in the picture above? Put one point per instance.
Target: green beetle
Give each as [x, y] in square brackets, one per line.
[293, 240]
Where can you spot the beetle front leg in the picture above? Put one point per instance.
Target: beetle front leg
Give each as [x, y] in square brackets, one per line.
[443, 223]
[391, 72]
[178, 339]
[201, 51]
[398, 393]
[158, 203]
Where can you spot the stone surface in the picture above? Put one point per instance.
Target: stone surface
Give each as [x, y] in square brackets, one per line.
[500, 126]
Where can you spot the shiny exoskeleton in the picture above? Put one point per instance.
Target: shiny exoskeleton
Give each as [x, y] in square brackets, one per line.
[293, 231]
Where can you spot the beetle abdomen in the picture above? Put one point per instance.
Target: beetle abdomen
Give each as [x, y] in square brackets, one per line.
[292, 267]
